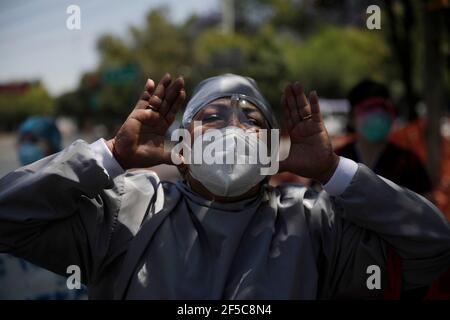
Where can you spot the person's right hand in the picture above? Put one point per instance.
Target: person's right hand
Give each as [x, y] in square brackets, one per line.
[139, 143]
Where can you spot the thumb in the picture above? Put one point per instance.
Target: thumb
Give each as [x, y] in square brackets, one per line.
[172, 158]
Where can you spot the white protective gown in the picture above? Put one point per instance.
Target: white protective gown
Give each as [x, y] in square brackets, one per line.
[135, 237]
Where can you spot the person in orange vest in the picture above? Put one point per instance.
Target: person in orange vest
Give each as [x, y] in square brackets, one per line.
[371, 117]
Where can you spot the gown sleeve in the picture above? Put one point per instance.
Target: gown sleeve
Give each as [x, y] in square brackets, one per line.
[60, 210]
[358, 228]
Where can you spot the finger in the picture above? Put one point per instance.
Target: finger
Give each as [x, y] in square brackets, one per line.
[171, 114]
[172, 93]
[291, 104]
[315, 108]
[288, 124]
[146, 94]
[303, 106]
[286, 114]
[160, 91]
[145, 117]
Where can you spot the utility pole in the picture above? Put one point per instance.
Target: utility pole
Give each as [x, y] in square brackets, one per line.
[228, 16]
[433, 84]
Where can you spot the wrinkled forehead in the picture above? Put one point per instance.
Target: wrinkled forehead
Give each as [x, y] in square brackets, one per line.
[229, 104]
[228, 101]
[227, 86]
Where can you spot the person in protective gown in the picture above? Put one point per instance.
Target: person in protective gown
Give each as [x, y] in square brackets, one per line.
[222, 232]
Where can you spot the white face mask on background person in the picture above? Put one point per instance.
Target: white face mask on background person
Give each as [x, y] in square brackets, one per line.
[235, 169]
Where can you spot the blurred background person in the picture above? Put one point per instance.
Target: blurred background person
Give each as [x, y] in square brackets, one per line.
[371, 117]
[38, 137]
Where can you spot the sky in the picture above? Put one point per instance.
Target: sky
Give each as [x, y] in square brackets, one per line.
[35, 43]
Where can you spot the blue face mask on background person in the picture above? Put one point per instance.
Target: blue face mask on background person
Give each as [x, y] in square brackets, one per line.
[37, 137]
[29, 152]
[375, 126]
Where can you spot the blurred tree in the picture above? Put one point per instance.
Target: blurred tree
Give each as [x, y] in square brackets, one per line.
[434, 13]
[402, 23]
[17, 106]
[264, 45]
[113, 52]
[80, 103]
[335, 58]
[259, 56]
[304, 17]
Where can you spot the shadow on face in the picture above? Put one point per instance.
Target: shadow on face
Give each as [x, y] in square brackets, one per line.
[225, 112]
[222, 113]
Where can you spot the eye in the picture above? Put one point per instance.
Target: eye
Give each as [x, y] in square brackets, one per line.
[253, 122]
[211, 117]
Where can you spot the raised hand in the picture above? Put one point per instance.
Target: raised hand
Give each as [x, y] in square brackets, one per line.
[311, 154]
[139, 142]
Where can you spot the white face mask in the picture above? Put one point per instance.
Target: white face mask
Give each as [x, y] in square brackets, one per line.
[224, 177]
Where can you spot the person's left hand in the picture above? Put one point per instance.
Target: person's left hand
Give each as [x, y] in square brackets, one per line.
[311, 154]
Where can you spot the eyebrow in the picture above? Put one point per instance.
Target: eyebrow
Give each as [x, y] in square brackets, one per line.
[216, 104]
[250, 108]
[247, 108]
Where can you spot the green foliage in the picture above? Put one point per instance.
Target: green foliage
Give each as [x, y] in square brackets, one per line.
[15, 107]
[272, 51]
[258, 56]
[335, 58]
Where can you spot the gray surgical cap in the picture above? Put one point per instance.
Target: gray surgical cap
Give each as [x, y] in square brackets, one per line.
[227, 85]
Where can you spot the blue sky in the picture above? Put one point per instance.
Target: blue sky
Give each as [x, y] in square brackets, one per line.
[35, 43]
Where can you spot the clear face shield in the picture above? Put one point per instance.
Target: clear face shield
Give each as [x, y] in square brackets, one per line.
[236, 110]
[231, 146]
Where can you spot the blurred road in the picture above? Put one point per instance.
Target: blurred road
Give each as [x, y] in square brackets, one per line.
[8, 159]
[9, 162]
